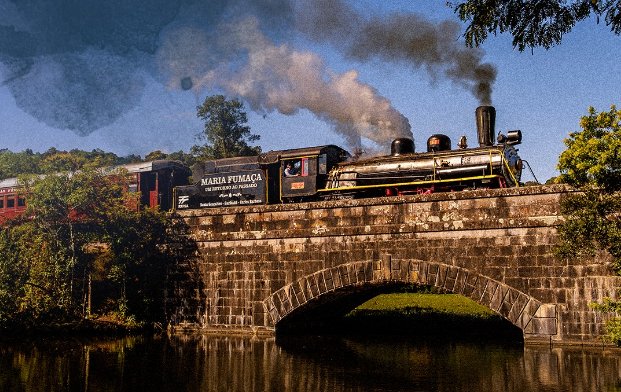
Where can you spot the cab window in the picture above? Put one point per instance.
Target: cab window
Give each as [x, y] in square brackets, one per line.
[292, 168]
[323, 164]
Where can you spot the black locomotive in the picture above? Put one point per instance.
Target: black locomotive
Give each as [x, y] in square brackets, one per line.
[329, 172]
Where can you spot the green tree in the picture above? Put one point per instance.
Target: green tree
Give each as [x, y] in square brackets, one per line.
[592, 162]
[62, 161]
[593, 155]
[13, 164]
[185, 158]
[155, 155]
[54, 161]
[532, 23]
[225, 130]
[12, 276]
[80, 233]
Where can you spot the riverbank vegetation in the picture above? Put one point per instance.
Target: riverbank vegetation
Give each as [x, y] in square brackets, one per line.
[85, 256]
[82, 252]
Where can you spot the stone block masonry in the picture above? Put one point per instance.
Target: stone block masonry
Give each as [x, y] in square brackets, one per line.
[256, 265]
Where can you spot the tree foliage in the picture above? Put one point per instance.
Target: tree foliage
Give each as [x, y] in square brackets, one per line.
[187, 159]
[81, 239]
[13, 164]
[593, 155]
[592, 162]
[225, 130]
[532, 23]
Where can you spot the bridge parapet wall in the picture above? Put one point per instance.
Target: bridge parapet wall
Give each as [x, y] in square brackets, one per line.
[505, 239]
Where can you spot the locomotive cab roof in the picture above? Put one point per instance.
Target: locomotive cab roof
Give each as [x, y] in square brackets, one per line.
[275, 156]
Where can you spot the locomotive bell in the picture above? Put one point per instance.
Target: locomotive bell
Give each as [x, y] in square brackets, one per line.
[438, 142]
[486, 123]
[401, 145]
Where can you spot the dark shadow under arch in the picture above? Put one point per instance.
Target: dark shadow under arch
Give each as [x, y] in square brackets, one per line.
[519, 308]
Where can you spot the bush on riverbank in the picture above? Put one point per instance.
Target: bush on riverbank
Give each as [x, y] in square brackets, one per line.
[81, 249]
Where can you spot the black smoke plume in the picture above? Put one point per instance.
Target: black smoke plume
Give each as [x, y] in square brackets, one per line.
[407, 38]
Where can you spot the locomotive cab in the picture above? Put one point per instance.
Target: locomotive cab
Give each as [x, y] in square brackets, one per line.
[304, 171]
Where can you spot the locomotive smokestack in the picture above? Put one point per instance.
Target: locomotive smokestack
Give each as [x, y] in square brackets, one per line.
[486, 122]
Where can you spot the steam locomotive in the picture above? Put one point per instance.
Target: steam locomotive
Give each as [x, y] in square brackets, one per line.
[329, 172]
[319, 173]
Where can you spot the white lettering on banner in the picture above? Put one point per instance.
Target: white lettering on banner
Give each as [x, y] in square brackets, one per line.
[183, 201]
[232, 179]
[210, 204]
[213, 181]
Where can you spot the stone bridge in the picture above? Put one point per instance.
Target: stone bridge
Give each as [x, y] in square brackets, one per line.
[253, 268]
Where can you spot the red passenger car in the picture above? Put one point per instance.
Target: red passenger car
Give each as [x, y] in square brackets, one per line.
[12, 203]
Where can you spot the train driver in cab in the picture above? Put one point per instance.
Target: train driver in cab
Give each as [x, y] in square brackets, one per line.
[290, 170]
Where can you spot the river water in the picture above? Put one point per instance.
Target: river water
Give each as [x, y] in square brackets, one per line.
[307, 363]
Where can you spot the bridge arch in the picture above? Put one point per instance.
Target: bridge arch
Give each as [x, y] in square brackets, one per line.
[534, 318]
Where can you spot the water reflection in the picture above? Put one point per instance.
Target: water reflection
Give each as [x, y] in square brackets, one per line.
[209, 363]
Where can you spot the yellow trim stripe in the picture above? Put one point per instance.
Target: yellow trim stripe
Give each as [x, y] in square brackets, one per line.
[490, 176]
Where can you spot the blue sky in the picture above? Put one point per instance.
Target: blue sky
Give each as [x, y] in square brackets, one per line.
[543, 93]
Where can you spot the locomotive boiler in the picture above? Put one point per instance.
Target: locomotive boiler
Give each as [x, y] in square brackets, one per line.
[439, 169]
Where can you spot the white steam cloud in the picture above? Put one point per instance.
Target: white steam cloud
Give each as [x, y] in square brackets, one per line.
[277, 77]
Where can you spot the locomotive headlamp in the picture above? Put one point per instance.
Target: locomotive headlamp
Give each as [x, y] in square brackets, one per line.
[514, 137]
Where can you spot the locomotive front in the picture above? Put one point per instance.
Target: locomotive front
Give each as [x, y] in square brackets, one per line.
[440, 169]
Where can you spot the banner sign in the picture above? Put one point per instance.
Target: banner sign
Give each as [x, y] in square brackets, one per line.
[223, 190]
